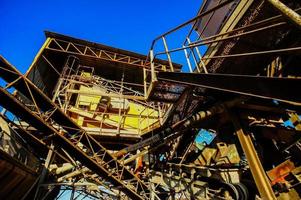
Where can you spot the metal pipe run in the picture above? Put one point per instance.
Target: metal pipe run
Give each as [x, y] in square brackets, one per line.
[180, 126]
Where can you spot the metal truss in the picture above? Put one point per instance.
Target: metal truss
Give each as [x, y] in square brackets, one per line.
[79, 176]
[73, 48]
[71, 78]
[32, 160]
[80, 179]
[55, 126]
[85, 51]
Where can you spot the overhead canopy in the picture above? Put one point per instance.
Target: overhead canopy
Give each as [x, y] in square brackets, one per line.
[108, 62]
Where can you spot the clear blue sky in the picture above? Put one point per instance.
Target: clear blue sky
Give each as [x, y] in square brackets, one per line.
[130, 25]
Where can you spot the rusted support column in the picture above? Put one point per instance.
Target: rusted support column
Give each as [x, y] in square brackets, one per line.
[259, 175]
[152, 64]
[287, 12]
[168, 54]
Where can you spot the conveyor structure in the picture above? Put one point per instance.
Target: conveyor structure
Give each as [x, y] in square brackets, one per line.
[216, 117]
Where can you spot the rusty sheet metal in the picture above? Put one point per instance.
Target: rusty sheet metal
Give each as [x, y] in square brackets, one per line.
[279, 173]
[15, 178]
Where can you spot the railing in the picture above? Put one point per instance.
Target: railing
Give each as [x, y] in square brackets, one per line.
[193, 45]
[187, 29]
[186, 52]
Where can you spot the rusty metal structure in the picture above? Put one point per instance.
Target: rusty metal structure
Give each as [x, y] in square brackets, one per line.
[214, 114]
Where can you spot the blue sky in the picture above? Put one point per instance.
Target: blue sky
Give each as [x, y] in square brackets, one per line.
[130, 25]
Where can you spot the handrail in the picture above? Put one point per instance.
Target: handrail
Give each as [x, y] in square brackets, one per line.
[152, 56]
[191, 20]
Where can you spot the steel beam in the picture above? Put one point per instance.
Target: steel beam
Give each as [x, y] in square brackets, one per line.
[73, 48]
[262, 182]
[274, 88]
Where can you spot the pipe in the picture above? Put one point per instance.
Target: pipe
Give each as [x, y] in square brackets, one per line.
[290, 14]
[72, 174]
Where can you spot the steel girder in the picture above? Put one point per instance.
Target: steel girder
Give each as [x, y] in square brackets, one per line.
[275, 88]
